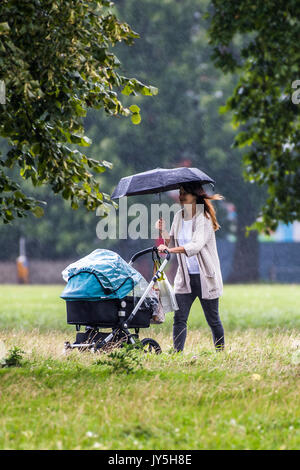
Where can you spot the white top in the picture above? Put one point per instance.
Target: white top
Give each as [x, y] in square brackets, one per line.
[185, 236]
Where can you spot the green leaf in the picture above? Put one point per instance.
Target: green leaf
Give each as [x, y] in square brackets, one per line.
[18, 195]
[134, 108]
[85, 141]
[4, 28]
[223, 109]
[149, 91]
[136, 118]
[78, 139]
[38, 211]
[80, 111]
[74, 205]
[127, 90]
[87, 187]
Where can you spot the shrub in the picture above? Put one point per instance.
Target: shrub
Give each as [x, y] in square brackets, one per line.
[14, 358]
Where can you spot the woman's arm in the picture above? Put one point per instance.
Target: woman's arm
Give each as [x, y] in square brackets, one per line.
[199, 238]
[166, 236]
[161, 226]
[169, 242]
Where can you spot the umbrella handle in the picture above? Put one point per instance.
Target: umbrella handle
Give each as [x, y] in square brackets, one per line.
[159, 215]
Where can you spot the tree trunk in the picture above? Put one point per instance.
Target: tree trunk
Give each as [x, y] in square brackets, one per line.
[245, 265]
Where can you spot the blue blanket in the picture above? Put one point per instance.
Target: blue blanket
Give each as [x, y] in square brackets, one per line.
[103, 274]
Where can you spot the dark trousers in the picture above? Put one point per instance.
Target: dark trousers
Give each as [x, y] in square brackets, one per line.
[211, 312]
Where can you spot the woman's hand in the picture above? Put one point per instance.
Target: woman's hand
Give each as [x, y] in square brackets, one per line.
[175, 250]
[161, 248]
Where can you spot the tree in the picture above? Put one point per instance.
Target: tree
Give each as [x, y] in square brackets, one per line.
[267, 62]
[56, 64]
[183, 123]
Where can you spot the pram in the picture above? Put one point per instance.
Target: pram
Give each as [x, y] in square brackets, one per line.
[119, 314]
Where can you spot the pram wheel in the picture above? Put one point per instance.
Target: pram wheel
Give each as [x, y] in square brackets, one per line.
[67, 345]
[150, 345]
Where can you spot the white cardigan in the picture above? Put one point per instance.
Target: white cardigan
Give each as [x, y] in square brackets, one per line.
[203, 245]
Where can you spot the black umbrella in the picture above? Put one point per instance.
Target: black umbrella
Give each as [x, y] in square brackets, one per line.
[159, 180]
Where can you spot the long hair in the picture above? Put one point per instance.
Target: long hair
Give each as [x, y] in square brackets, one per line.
[203, 198]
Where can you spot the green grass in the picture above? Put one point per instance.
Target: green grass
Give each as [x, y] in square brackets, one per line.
[246, 397]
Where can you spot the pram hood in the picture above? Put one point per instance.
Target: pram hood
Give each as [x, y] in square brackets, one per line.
[101, 274]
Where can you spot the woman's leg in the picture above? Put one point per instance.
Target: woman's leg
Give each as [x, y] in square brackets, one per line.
[180, 319]
[211, 311]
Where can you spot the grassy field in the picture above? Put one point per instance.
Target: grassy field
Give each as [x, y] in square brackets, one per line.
[246, 397]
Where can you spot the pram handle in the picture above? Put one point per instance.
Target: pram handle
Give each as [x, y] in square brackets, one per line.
[156, 276]
[168, 254]
[148, 250]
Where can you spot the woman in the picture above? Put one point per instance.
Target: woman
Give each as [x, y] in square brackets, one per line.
[192, 238]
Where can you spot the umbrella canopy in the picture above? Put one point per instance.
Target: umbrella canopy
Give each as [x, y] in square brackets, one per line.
[159, 180]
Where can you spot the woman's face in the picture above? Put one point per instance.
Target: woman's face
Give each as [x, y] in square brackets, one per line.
[186, 198]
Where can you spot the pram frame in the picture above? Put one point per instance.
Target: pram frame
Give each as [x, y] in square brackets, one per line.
[124, 325]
